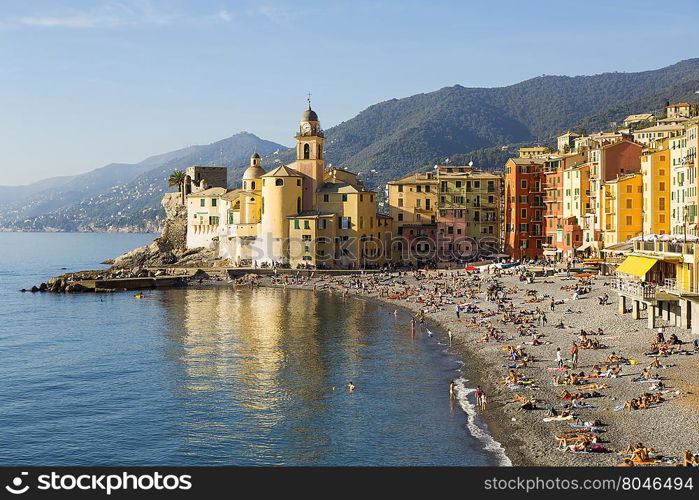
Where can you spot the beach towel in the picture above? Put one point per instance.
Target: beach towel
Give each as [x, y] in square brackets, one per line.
[558, 418]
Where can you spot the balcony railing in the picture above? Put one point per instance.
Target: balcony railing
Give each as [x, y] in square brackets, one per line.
[664, 247]
[645, 292]
[680, 287]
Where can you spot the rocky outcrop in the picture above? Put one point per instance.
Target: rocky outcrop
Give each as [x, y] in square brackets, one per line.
[171, 247]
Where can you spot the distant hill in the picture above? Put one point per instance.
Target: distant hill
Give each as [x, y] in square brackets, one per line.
[119, 196]
[385, 141]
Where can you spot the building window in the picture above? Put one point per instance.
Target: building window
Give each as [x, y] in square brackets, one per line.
[252, 185]
[400, 217]
[306, 151]
[202, 202]
[400, 188]
[307, 224]
[279, 182]
[400, 202]
[344, 197]
[213, 202]
[297, 224]
[326, 198]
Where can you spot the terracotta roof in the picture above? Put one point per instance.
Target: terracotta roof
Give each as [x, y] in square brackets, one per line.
[283, 171]
[232, 194]
[526, 161]
[213, 192]
[342, 187]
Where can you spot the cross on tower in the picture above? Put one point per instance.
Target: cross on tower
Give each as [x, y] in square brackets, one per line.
[309, 100]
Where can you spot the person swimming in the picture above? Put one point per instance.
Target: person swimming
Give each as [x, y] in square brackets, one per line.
[351, 386]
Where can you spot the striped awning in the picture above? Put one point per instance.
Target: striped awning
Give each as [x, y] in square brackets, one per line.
[637, 266]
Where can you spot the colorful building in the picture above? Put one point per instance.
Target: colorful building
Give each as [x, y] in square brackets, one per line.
[621, 208]
[468, 219]
[655, 168]
[295, 215]
[412, 203]
[524, 208]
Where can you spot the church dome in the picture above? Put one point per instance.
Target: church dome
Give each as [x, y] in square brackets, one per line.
[309, 115]
[254, 172]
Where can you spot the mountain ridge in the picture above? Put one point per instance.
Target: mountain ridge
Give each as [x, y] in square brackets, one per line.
[396, 137]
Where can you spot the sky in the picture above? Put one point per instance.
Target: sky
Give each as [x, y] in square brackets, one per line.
[87, 83]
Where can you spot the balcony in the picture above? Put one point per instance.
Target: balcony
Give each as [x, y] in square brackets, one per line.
[681, 288]
[634, 289]
[664, 247]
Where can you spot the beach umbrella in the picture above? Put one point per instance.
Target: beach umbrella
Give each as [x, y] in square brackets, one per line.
[471, 268]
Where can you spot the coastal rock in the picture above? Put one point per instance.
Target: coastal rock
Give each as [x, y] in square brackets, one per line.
[77, 288]
[156, 254]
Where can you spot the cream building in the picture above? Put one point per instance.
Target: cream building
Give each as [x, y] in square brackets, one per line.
[683, 171]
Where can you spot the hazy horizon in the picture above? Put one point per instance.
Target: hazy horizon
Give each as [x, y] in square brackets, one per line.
[92, 83]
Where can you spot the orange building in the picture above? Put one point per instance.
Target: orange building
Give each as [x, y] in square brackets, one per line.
[524, 208]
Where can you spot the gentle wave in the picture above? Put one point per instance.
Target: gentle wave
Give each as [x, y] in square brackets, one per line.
[489, 443]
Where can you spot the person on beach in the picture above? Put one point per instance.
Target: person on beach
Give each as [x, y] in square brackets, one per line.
[559, 359]
[574, 355]
[458, 311]
[451, 336]
[553, 305]
[412, 326]
[480, 397]
[452, 390]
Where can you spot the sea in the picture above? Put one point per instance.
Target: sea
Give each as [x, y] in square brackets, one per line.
[218, 376]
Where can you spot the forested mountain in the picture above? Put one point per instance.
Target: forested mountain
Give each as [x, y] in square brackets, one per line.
[385, 141]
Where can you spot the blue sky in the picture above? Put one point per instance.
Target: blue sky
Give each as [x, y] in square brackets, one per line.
[86, 83]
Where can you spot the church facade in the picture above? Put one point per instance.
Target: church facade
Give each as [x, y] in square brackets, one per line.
[300, 214]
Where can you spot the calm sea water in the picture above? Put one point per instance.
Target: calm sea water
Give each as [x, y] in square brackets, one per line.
[217, 376]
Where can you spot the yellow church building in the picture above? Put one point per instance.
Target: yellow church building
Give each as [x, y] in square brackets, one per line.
[298, 215]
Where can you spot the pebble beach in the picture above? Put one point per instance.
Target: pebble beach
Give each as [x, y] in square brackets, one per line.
[529, 435]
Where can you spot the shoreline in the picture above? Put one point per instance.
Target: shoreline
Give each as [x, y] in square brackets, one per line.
[526, 438]
[670, 427]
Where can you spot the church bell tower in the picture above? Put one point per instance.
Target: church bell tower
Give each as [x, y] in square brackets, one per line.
[309, 152]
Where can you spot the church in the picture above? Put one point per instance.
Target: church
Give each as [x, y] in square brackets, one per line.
[299, 215]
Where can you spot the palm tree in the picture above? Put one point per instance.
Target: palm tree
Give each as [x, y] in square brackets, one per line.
[177, 179]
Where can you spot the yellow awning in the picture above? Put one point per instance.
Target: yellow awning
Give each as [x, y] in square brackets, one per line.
[638, 266]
